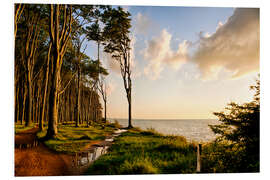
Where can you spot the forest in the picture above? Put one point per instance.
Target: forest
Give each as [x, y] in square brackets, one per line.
[55, 81]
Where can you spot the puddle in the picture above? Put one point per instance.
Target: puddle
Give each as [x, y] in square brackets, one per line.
[88, 156]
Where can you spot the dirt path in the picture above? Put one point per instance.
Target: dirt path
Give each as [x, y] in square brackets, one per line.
[39, 160]
[33, 159]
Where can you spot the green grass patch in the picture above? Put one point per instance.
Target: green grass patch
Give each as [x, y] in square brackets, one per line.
[21, 127]
[71, 139]
[146, 152]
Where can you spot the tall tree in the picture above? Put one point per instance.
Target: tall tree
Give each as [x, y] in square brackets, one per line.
[18, 12]
[84, 15]
[45, 89]
[78, 41]
[103, 91]
[60, 31]
[116, 33]
[32, 22]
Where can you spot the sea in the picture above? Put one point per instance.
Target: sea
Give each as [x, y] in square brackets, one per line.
[195, 130]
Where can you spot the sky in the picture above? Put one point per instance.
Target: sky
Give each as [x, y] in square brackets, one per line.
[188, 62]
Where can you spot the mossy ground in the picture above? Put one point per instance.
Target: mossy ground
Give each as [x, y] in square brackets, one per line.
[71, 139]
[21, 127]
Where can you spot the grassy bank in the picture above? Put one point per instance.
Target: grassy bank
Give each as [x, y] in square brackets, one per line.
[71, 139]
[146, 152]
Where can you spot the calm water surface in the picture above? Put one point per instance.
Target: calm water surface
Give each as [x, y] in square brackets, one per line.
[193, 129]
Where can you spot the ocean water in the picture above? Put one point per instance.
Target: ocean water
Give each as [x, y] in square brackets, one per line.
[193, 129]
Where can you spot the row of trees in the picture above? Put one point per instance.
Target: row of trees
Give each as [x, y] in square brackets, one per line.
[55, 81]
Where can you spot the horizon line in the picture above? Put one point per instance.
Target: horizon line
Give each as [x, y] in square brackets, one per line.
[163, 118]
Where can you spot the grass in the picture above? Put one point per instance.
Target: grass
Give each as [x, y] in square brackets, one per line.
[146, 152]
[21, 127]
[71, 139]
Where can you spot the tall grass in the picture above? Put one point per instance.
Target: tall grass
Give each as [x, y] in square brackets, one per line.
[147, 152]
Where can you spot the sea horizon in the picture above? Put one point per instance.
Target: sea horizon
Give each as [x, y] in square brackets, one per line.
[155, 119]
[192, 129]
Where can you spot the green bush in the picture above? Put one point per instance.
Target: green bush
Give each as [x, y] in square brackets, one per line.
[237, 147]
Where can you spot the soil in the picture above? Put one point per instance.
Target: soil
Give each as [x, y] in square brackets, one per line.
[40, 160]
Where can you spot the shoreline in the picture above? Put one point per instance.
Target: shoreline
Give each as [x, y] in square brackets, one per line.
[193, 130]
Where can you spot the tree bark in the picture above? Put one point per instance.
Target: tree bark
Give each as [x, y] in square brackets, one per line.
[105, 111]
[53, 109]
[18, 12]
[129, 112]
[59, 36]
[41, 126]
[28, 119]
[77, 109]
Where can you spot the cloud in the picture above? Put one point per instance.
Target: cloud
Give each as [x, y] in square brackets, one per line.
[234, 47]
[159, 53]
[142, 23]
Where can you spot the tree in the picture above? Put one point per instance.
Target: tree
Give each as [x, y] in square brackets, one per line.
[240, 128]
[18, 12]
[31, 47]
[59, 36]
[103, 91]
[78, 56]
[117, 43]
[46, 62]
[32, 21]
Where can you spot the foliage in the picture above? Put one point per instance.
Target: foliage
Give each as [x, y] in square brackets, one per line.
[144, 152]
[237, 147]
[117, 42]
[36, 65]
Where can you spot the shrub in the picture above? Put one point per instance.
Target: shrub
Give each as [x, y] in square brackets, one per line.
[237, 147]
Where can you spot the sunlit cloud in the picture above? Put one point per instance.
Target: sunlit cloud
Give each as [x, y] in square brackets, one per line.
[234, 47]
[142, 23]
[159, 53]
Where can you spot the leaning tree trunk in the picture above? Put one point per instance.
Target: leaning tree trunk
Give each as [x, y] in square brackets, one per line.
[59, 36]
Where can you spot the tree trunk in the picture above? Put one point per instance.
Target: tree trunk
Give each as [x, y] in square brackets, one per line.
[45, 90]
[78, 98]
[53, 97]
[59, 37]
[24, 106]
[129, 112]
[105, 111]
[53, 110]
[29, 101]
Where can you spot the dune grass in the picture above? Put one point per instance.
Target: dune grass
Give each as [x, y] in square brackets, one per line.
[146, 152]
[71, 139]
